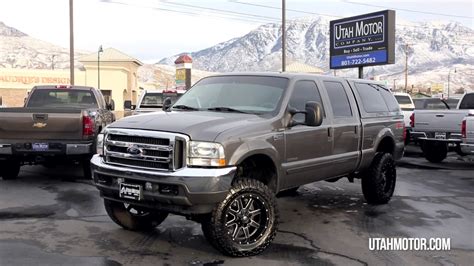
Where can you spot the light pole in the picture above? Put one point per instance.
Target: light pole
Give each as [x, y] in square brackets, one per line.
[395, 84]
[98, 66]
[283, 36]
[71, 42]
[449, 79]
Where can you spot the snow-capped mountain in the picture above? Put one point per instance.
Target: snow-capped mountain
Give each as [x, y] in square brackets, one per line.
[18, 50]
[433, 49]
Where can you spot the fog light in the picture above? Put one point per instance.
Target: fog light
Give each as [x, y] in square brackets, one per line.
[120, 180]
[148, 186]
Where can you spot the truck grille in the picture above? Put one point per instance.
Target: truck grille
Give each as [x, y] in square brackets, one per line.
[145, 149]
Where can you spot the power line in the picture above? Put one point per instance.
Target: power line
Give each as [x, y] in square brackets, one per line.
[333, 16]
[409, 10]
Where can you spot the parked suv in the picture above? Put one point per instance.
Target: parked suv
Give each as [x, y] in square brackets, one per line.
[223, 151]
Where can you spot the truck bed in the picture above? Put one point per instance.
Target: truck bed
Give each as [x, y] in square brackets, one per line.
[443, 121]
[40, 123]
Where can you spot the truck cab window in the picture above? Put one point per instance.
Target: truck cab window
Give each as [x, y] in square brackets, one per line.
[338, 97]
[304, 91]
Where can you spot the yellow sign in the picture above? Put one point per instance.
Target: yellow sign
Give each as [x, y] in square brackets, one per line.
[181, 74]
[437, 88]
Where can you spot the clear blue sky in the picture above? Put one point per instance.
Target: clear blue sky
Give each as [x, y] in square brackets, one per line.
[153, 29]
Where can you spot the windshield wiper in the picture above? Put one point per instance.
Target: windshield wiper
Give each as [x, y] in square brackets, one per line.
[226, 109]
[185, 107]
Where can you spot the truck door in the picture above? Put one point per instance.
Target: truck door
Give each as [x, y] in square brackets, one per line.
[345, 130]
[307, 148]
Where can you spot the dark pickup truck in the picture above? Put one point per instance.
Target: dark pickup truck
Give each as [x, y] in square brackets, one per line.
[58, 124]
[223, 151]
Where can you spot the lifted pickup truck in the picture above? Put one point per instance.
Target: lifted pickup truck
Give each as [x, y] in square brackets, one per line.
[224, 150]
[437, 129]
[58, 124]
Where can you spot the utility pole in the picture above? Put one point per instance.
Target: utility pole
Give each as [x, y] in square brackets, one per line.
[394, 85]
[52, 61]
[406, 66]
[71, 41]
[283, 36]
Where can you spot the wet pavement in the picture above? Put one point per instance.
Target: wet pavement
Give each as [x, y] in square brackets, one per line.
[53, 217]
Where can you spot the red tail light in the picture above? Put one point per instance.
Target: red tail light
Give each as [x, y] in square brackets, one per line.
[412, 120]
[463, 129]
[87, 126]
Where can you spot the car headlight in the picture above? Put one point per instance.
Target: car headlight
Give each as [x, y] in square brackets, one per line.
[206, 154]
[100, 144]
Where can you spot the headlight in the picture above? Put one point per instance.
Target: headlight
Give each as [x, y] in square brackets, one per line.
[100, 144]
[206, 154]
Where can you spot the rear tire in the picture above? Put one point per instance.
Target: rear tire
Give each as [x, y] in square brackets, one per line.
[435, 152]
[245, 222]
[133, 218]
[378, 182]
[9, 170]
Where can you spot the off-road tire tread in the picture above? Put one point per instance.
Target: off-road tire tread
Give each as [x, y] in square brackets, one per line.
[219, 237]
[370, 186]
[142, 224]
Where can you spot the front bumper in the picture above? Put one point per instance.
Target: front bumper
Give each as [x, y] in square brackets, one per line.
[188, 190]
[467, 148]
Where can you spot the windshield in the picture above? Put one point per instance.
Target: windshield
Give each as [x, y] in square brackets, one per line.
[62, 98]
[249, 94]
[152, 100]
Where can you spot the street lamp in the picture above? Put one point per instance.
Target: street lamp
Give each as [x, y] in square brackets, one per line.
[449, 79]
[98, 66]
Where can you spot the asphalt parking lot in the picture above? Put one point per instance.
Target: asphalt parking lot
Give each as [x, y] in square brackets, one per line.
[54, 217]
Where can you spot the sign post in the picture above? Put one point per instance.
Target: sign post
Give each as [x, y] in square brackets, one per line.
[365, 40]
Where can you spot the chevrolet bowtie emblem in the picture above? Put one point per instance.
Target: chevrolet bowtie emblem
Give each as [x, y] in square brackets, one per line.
[39, 125]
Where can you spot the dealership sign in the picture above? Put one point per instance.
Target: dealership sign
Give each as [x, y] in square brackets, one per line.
[364, 40]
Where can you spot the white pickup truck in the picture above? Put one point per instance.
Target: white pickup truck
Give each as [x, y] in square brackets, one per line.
[467, 133]
[437, 130]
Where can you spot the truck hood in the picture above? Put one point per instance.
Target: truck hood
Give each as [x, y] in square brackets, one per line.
[198, 125]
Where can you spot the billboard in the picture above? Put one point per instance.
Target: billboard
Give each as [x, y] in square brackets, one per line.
[364, 40]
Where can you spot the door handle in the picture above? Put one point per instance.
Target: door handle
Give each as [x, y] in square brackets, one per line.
[440, 115]
[330, 132]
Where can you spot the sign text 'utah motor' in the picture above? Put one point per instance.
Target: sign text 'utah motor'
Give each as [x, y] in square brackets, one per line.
[359, 32]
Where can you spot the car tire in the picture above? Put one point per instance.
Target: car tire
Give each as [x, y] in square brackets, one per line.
[133, 218]
[378, 182]
[245, 222]
[9, 170]
[435, 152]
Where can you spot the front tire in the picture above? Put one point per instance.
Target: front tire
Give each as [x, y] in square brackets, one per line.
[132, 217]
[86, 168]
[9, 170]
[378, 182]
[245, 222]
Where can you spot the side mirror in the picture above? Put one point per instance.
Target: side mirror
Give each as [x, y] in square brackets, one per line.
[127, 105]
[167, 104]
[314, 114]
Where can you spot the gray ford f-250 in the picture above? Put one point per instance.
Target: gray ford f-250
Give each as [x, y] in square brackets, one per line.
[224, 150]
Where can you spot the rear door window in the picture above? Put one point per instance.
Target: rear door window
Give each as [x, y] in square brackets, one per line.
[390, 100]
[339, 100]
[467, 102]
[372, 100]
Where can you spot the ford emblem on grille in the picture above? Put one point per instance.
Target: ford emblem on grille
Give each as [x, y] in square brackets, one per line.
[134, 150]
